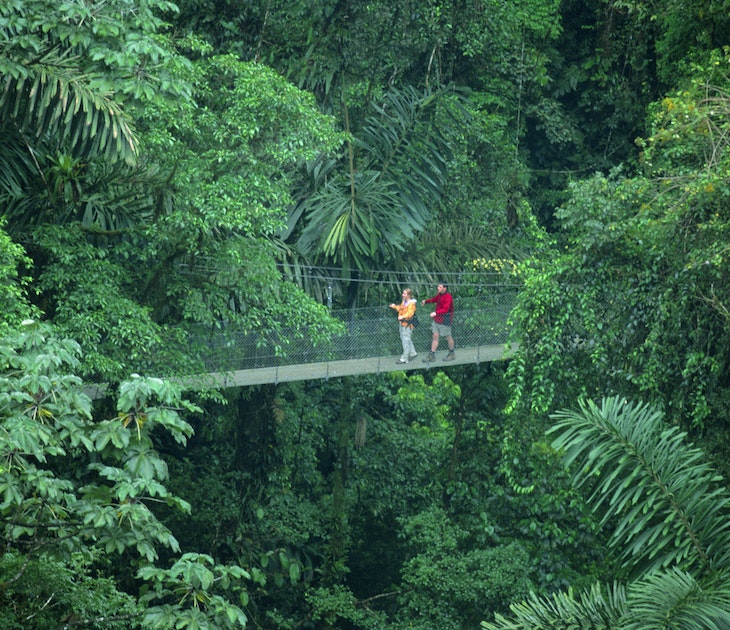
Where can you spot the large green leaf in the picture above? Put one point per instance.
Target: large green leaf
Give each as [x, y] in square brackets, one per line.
[669, 519]
[664, 501]
[54, 98]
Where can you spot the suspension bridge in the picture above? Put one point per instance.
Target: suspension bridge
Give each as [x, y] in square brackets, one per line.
[369, 344]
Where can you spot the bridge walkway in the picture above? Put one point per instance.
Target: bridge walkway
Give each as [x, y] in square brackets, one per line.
[369, 345]
[349, 367]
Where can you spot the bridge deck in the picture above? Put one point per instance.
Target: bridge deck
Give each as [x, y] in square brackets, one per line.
[332, 369]
[348, 367]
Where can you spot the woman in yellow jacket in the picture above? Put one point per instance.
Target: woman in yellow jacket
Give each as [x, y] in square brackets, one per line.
[406, 310]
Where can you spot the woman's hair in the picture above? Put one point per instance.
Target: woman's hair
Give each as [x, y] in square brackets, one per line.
[409, 293]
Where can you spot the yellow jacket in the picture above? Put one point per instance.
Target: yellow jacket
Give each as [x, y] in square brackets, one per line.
[406, 310]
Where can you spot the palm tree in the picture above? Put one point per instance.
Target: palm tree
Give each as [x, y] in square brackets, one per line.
[361, 210]
[63, 91]
[670, 526]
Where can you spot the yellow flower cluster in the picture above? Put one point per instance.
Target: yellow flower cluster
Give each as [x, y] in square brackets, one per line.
[495, 265]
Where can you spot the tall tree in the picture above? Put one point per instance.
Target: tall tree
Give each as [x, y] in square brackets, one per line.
[363, 209]
[632, 297]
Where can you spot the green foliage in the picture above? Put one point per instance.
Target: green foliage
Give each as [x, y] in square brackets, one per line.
[232, 147]
[668, 515]
[616, 308]
[612, 608]
[76, 491]
[97, 308]
[448, 585]
[188, 589]
[335, 605]
[340, 499]
[673, 511]
[181, 239]
[566, 611]
[71, 74]
[362, 209]
[458, 193]
[278, 453]
[262, 504]
[701, 22]
[39, 592]
[46, 419]
[427, 405]
[44, 75]
[533, 503]
[13, 286]
[226, 159]
[676, 599]
[540, 374]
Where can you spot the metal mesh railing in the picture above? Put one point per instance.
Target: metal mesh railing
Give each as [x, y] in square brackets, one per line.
[370, 332]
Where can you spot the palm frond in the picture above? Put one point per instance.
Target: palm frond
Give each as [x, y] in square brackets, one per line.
[116, 197]
[407, 139]
[19, 182]
[101, 195]
[666, 502]
[51, 97]
[358, 213]
[597, 608]
[355, 230]
[674, 599]
[15, 165]
[297, 267]
[661, 600]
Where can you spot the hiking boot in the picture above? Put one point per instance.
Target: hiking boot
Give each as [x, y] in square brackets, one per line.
[430, 357]
[450, 357]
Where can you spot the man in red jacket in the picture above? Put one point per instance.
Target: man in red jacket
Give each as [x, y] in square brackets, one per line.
[441, 320]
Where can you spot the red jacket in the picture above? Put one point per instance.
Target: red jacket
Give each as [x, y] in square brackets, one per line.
[444, 308]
